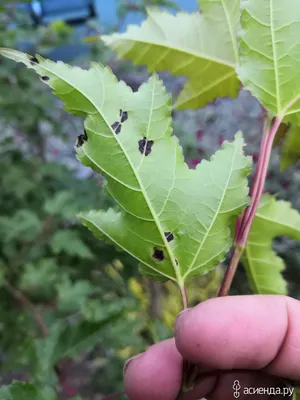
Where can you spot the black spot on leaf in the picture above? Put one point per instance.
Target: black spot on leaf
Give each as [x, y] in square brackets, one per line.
[81, 139]
[116, 126]
[158, 255]
[169, 236]
[33, 60]
[45, 78]
[145, 146]
[176, 261]
[124, 116]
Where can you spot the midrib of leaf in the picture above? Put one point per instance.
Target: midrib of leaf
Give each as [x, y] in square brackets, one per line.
[232, 34]
[183, 50]
[155, 217]
[278, 102]
[213, 221]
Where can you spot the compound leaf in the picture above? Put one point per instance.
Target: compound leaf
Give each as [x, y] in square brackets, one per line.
[175, 221]
[270, 53]
[202, 47]
[263, 266]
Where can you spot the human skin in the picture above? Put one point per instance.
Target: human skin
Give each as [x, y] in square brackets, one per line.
[253, 339]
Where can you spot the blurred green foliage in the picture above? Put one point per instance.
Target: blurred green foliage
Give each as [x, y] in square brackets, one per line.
[69, 303]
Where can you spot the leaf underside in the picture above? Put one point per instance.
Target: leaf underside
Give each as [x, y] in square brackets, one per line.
[263, 266]
[202, 47]
[270, 55]
[175, 221]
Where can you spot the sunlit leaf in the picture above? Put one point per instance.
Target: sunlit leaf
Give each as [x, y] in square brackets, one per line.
[270, 53]
[263, 266]
[202, 47]
[175, 221]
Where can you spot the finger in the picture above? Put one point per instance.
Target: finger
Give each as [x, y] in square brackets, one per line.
[243, 332]
[155, 374]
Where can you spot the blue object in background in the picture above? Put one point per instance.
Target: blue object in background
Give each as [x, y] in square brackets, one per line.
[73, 11]
[106, 9]
[78, 11]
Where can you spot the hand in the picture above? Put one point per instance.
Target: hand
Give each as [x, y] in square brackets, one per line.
[252, 339]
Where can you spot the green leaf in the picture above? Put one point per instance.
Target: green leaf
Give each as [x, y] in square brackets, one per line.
[40, 277]
[290, 151]
[72, 295]
[202, 47]
[24, 225]
[66, 340]
[25, 391]
[175, 221]
[270, 53]
[69, 242]
[95, 310]
[263, 266]
[60, 204]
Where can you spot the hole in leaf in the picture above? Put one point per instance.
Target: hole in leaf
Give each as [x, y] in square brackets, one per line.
[169, 236]
[81, 139]
[33, 60]
[158, 255]
[124, 116]
[45, 78]
[145, 146]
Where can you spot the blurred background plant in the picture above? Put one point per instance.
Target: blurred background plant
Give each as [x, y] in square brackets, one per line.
[73, 308]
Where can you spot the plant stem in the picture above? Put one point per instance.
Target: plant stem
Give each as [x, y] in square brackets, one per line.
[183, 296]
[230, 272]
[256, 192]
[259, 183]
